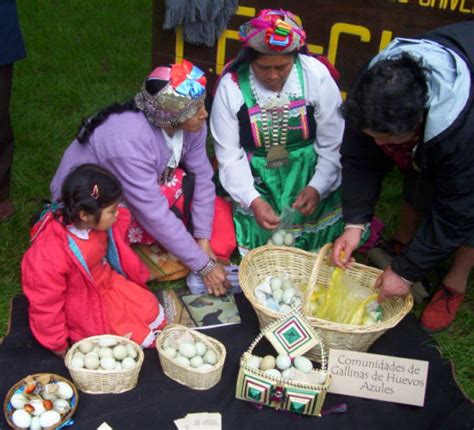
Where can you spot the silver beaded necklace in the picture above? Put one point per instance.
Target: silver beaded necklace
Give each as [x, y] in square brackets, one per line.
[274, 113]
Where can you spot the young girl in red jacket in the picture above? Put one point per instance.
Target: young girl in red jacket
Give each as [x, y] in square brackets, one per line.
[80, 276]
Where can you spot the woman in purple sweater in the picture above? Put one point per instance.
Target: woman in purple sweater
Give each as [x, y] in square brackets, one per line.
[142, 142]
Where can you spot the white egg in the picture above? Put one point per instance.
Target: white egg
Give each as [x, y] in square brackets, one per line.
[21, 418]
[287, 283]
[187, 349]
[86, 347]
[210, 357]
[278, 238]
[50, 418]
[205, 367]
[253, 362]
[170, 352]
[128, 363]
[182, 361]
[275, 283]
[105, 342]
[284, 309]
[18, 400]
[273, 372]
[107, 363]
[91, 361]
[96, 349]
[35, 423]
[268, 362]
[64, 390]
[105, 352]
[277, 295]
[118, 365]
[288, 239]
[132, 351]
[61, 405]
[283, 361]
[320, 377]
[201, 348]
[196, 361]
[120, 352]
[77, 362]
[303, 364]
[38, 407]
[287, 373]
[78, 354]
[288, 295]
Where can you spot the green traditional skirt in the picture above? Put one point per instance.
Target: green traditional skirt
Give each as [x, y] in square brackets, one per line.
[280, 187]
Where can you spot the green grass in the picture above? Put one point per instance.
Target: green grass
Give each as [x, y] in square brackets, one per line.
[83, 55]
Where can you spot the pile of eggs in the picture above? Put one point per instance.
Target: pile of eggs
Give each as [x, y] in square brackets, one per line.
[283, 292]
[191, 353]
[36, 406]
[282, 237]
[283, 367]
[106, 353]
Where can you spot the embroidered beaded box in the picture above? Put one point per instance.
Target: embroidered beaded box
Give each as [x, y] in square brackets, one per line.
[291, 335]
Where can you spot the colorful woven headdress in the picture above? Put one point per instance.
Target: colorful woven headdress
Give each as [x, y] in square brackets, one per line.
[273, 31]
[178, 100]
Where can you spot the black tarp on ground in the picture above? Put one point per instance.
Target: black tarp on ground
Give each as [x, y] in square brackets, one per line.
[157, 400]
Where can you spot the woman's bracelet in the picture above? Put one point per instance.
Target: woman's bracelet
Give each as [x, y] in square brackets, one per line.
[208, 268]
[362, 227]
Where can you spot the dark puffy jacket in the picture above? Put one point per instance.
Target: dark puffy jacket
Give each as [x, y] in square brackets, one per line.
[446, 157]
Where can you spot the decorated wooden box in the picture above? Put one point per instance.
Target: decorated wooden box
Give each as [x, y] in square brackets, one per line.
[288, 381]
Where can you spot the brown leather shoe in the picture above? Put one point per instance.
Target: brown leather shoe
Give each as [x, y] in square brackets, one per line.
[6, 210]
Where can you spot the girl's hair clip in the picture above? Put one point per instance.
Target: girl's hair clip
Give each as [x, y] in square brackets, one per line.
[95, 192]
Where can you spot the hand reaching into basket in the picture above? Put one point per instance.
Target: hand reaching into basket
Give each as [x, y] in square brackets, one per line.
[391, 284]
[344, 246]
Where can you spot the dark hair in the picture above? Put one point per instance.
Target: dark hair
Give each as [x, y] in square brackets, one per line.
[90, 188]
[389, 97]
[88, 125]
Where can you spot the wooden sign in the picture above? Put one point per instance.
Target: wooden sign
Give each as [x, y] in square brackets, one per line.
[348, 32]
[378, 377]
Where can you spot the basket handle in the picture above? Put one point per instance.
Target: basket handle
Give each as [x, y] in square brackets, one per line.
[313, 278]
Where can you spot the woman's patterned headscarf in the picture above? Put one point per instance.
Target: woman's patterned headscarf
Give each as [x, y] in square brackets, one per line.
[272, 32]
[178, 100]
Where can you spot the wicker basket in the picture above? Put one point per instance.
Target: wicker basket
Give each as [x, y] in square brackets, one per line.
[306, 270]
[254, 385]
[8, 410]
[192, 378]
[101, 381]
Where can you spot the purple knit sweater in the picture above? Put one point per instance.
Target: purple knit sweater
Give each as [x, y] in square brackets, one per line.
[132, 149]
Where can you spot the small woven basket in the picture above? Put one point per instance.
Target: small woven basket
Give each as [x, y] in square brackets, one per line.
[101, 381]
[254, 385]
[188, 376]
[8, 410]
[307, 270]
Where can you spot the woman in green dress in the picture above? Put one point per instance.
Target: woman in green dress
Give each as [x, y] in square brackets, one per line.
[277, 130]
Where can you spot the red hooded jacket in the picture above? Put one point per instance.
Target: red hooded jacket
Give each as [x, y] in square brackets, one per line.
[65, 302]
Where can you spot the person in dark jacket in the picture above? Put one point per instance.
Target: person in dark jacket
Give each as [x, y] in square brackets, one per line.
[11, 49]
[413, 107]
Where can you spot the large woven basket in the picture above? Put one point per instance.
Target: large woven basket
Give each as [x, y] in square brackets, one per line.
[8, 410]
[307, 270]
[188, 376]
[105, 381]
